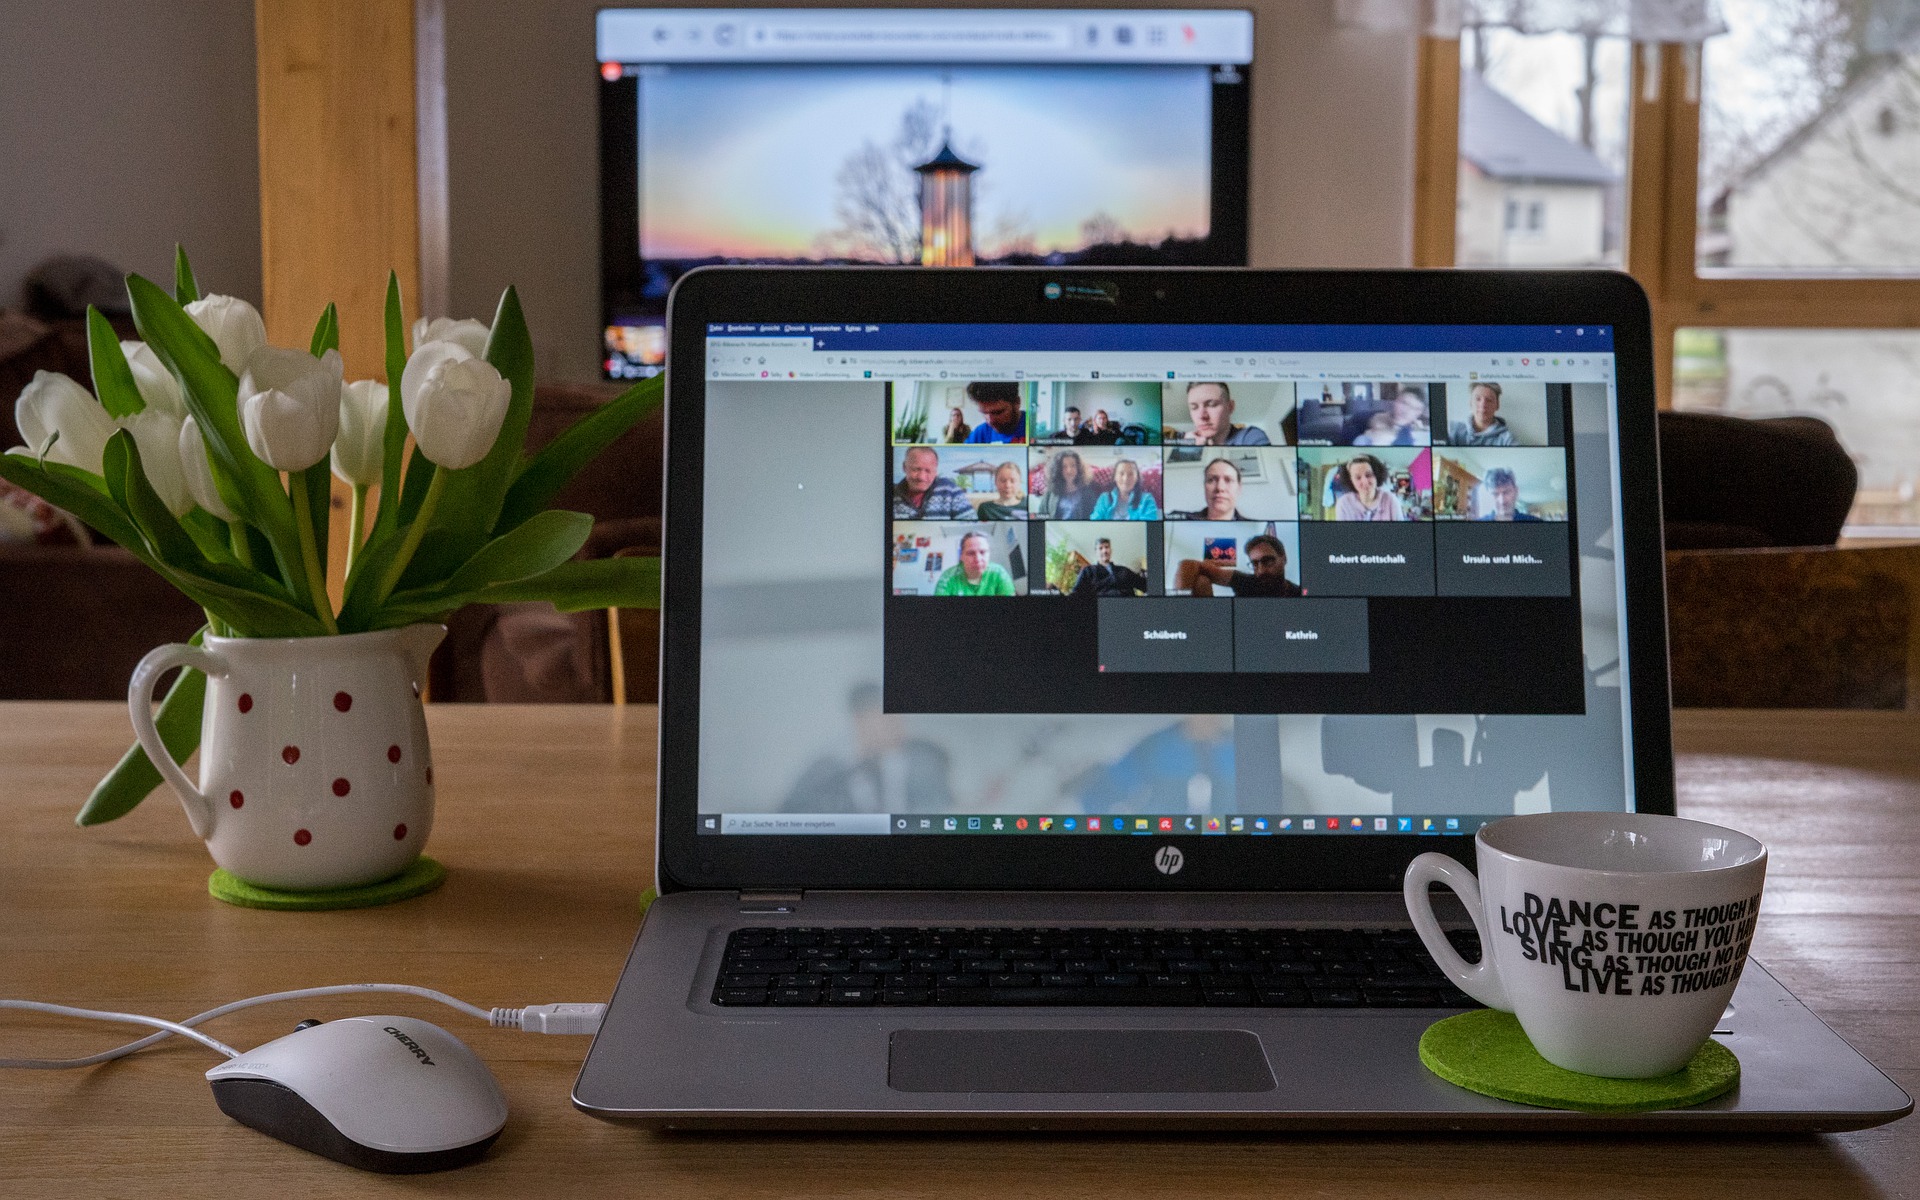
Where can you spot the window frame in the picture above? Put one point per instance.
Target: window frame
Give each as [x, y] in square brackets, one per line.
[1663, 166]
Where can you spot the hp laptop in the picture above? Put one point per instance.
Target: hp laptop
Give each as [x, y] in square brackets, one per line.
[1061, 667]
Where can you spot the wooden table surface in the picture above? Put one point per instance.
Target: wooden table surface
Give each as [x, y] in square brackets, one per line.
[545, 823]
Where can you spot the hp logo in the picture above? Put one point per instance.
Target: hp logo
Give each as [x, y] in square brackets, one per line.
[1051, 291]
[1169, 860]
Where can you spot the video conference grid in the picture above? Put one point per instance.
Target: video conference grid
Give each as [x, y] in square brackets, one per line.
[1034, 824]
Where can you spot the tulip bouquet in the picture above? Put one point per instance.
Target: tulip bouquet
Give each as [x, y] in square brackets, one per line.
[206, 452]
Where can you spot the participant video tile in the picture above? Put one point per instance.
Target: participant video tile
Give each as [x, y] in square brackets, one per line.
[1239, 558]
[957, 558]
[1165, 635]
[1098, 558]
[1287, 636]
[1241, 413]
[1496, 413]
[1095, 483]
[1232, 483]
[1367, 413]
[1387, 484]
[1097, 413]
[959, 483]
[1500, 559]
[1342, 559]
[1475, 483]
[943, 412]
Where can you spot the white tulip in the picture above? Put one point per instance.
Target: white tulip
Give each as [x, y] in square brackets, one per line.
[233, 324]
[360, 450]
[467, 333]
[290, 405]
[156, 435]
[198, 475]
[157, 385]
[53, 403]
[456, 409]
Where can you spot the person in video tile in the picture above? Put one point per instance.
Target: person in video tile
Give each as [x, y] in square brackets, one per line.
[1485, 426]
[1269, 579]
[1070, 494]
[1221, 481]
[1107, 578]
[1364, 495]
[1009, 501]
[1004, 412]
[1210, 405]
[1401, 423]
[1100, 431]
[1126, 500]
[1504, 490]
[976, 574]
[924, 494]
[957, 428]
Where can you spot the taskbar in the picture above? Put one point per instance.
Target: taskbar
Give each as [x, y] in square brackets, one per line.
[1080, 824]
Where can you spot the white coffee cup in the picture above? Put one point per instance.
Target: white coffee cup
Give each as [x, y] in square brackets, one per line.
[1616, 939]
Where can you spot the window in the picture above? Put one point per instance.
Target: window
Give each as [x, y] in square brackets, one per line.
[1764, 189]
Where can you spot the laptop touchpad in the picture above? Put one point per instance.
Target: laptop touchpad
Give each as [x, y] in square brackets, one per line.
[1077, 1060]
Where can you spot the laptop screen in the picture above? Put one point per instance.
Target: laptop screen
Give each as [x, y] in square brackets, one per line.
[1081, 581]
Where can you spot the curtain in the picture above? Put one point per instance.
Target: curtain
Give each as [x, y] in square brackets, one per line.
[1688, 22]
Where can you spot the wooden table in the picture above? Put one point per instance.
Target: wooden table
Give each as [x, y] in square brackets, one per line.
[545, 821]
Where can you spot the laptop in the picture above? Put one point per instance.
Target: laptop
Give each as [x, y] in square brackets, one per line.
[1060, 668]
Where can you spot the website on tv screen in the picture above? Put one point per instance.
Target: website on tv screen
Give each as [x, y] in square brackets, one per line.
[1054, 580]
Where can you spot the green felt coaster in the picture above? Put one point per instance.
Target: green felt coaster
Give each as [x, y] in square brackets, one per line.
[423, 876]
[1487, 1052]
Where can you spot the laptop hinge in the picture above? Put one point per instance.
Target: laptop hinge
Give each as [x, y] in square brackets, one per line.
[769, 902]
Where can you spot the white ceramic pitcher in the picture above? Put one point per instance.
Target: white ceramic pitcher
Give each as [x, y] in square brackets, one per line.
[314, 768]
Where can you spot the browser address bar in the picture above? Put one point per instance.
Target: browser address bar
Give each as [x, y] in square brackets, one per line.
[907, 36]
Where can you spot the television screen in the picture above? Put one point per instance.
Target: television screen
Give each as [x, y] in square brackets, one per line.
[898, 136]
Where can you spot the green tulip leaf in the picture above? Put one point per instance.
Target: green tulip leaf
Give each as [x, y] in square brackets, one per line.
[542, 476]
[394, 441]
[134, 777]
[592, 583]
[326, 334]
[86, 497]
[112, 376]
[185, 288]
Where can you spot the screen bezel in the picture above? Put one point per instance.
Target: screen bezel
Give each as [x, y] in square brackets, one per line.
[1205, 296]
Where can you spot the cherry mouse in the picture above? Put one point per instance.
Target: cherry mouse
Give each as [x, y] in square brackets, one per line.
[392, 1094]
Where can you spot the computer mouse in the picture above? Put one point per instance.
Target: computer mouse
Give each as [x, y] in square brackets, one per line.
[390, 1094]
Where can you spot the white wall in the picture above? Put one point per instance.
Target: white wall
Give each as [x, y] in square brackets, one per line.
[126, 126]
[1332, 180]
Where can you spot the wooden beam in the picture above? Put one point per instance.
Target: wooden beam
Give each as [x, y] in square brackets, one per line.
[1436, 151]
[339, 199]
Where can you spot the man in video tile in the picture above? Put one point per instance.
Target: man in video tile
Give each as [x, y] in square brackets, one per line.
[924, 494]
[1269, 579]
[1005, 417]
[1402, 422]
[976, 574]
[1486, 427]
[1104, 578]
[1504, 490]
[1210, 406]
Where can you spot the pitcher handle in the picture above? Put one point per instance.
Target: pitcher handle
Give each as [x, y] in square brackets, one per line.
[140, 708]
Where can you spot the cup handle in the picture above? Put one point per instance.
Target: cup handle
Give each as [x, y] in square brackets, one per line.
[1479, 980]
[140, 708]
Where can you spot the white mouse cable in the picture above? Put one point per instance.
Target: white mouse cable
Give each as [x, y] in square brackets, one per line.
[538, 1018]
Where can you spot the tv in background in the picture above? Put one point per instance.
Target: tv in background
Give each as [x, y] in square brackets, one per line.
[901, 136]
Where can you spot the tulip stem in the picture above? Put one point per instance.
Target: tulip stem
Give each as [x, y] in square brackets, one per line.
[356, 524]
[242, 549]
[310, 556]
[415, 531]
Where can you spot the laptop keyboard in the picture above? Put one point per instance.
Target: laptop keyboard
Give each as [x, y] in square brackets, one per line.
[1156, 968]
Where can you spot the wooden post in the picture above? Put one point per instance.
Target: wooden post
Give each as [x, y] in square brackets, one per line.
[1436, 152]
[339, 198]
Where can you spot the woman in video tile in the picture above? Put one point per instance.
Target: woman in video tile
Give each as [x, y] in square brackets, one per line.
[976, 574]
[1126, 500]
[957, 428]
[1009, 501]
[1222, 483]
[1364, 495]
[1070, 494]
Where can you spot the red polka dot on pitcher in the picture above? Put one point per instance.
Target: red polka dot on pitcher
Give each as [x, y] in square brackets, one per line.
[246, 702]
[236, 799]
[301, 837]
[393, 754]
[399, 833]
[341, 787]
[342, 701]
[291, 754]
